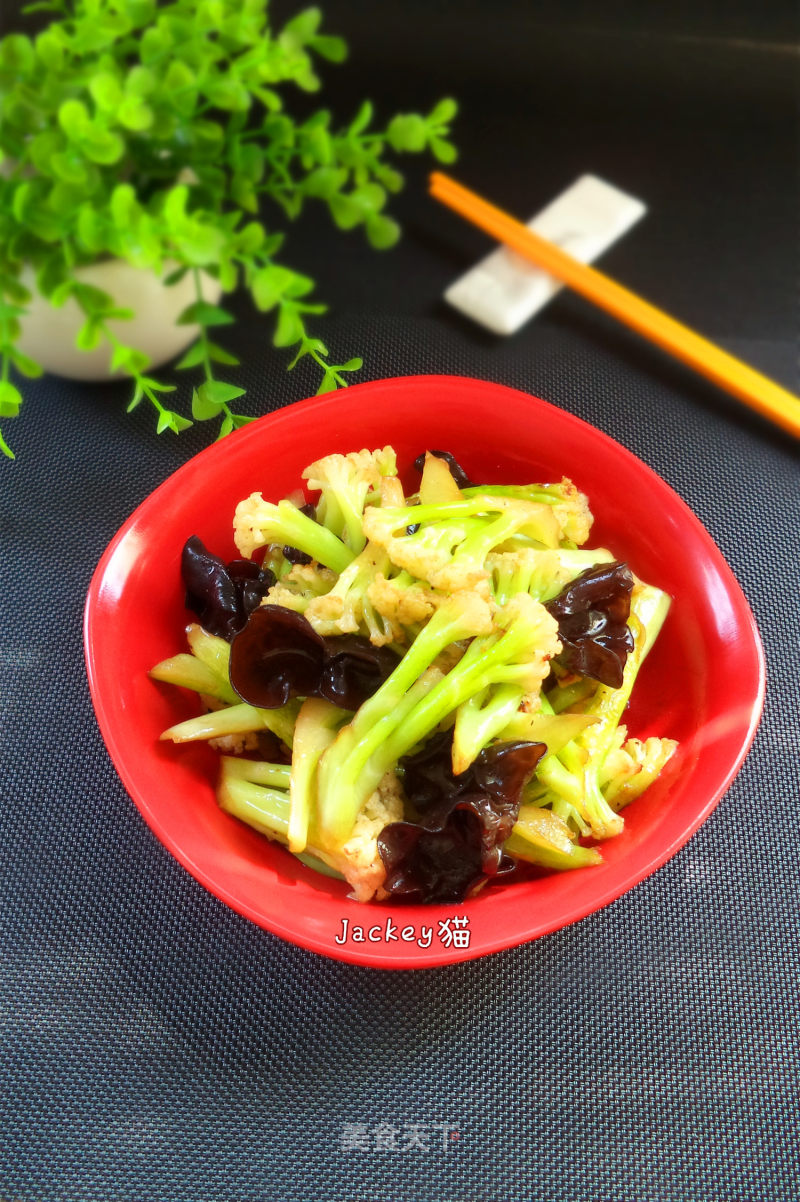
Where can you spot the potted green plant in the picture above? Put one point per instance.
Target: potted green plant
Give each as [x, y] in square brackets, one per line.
[138, 143]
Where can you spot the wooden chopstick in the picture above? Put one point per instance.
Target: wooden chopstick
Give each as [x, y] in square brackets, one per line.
[745, 383]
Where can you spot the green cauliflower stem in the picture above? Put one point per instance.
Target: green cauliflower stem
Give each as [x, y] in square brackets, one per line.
[344, 782]
[570, 507]
[515, 651]
[257, 523]
[450, 547]
[258, 794]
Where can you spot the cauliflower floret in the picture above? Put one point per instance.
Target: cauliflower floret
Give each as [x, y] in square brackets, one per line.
[345, 482]
[572, 512]
[360, 861]
[246, 533]
[347, 608]
[300, 587]
[631, 768]
[258, 523]
[405, 602]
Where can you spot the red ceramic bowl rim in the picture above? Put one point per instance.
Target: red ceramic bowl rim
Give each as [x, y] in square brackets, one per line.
[375, 956]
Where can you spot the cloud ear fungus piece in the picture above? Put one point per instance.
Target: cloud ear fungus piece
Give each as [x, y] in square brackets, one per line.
[504, 769]
[465, 820]
[276, 656]
[442, 865]
[222, 595]
[501, 770]
[354, 669]
[592, 613]
[428, 774]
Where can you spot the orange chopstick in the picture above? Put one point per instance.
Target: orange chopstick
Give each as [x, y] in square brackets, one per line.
[745, 383]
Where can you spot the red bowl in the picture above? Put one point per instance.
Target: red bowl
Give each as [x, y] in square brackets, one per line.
[703, 683]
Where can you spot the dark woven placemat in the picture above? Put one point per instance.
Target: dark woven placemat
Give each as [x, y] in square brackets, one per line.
[156, 1046]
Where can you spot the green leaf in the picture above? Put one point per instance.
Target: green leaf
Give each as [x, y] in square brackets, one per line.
[200, 244]
[49, 50]
[250, 238]
[102, 146]
[179, 76]
[244, 194]
[207, 132]
[175, 276]
[52, 273]
[127, 359]
[250, 161]
[174, 205]
[408, 132]
[208, 399]
[392, 180]
[60, 295]
[351, 365]
[89, 336]
[134, 114]
[328, 383]
[6, 449]
[21, 200]
[65, 198]
[169, 420]
[324, 182]
[346, 212]
[202, 313]
[299, 285]
[123, 206]
[203, 410]
[228, 93]
[105, 91]
[304, 25]
[16, 54]
[218, 392]
[24, 365]
[218, 355]
[43, 148]
[69, 166]
[334, 49]
[269, 284]
[289, 328]
[90, 229]
[10, 399]
[141, 81]
[444, 151]
[226, 427]
[73, 117]
[361, 119]
[443, 112]
[193, 356]
[11, 287]
[382, 231]
[138, 394]
[156, 43]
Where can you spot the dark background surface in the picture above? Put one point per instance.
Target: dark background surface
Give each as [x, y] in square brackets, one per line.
[155, 1046]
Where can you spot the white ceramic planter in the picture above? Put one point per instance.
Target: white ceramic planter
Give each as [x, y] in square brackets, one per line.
[48, 334]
